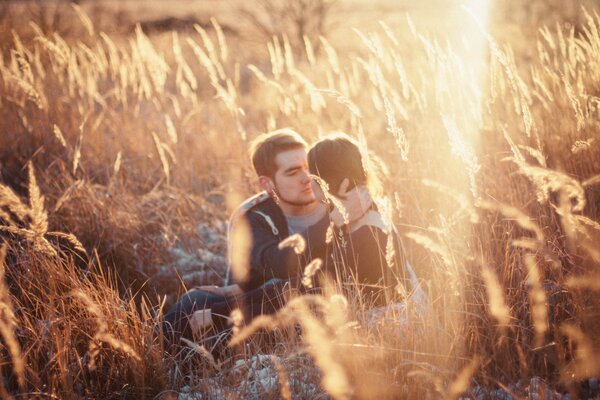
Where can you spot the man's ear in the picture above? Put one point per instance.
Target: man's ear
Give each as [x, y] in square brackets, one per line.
[266, 183]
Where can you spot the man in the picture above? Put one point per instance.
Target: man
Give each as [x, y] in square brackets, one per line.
[259, 268]
[287, 206]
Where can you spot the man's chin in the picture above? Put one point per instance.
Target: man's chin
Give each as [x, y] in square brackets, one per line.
[302, 202]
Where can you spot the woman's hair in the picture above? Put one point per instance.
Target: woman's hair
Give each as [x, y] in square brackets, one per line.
[338, 156]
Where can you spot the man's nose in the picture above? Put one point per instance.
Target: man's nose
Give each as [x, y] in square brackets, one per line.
[305, 177]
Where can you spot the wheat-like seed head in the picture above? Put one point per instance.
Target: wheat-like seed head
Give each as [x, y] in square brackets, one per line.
[85, 19]
[309, 271]
[295, 241]
[496, 299]
[537, 296]
[585, 364]
[461, 382]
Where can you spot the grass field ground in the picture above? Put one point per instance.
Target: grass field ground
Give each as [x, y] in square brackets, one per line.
[122, 153]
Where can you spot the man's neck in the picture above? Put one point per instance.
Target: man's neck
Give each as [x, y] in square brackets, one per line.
[292, 210]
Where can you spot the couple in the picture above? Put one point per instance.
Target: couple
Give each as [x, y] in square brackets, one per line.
[345, 231]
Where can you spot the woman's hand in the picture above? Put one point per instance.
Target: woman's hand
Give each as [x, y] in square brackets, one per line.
[354, 204]
[316, 188]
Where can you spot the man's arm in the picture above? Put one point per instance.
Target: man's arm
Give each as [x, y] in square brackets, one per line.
[255, 256]
[268, 261]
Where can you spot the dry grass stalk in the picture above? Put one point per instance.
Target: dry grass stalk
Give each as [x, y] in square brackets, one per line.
[310, 53]
[537, 296]
[239, 237]
[102, 334]
[585, 363]
[201, 350]
[496, 298]
[223, 48]
[85, 19]
[465, 204]
[319, 341]
[59, 136]
[160, 149]
[462, 381]
[77, 153]
[37, 213]
[282, 376]
[8, 323]
[171, 132]
[330, 197]
[584, 282]
[295, 241]
[117, 164]
[432, 246]
[522, 219]
[67, 195]
[309, 271]
[548, 181]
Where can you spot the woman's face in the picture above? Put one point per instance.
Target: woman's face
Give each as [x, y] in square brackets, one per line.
[316, 188]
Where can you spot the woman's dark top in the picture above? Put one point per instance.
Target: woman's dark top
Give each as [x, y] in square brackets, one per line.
[370, 257]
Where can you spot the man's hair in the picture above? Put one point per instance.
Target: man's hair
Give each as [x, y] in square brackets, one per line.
[265, 147]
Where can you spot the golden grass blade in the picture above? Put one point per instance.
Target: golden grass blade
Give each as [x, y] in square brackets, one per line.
[66, 196]
[77, 153]
[522, 219]
[117, 164]
[223, 49]
[309, 271]
[201, 350]
[85, 19]
[310, 53]
[59, 136]
[8, 323]
[496, 299]
[162, 156]
[462, 381]
[432, 246]
[537, 296]
[585, 363]
[70, 238]
[39, 218]
[239, 260]
[171, 132]
[9, 199]
[295, 241]
[282, 376]
[584, 282]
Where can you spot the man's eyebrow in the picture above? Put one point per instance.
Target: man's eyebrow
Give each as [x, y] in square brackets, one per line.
[290, 169]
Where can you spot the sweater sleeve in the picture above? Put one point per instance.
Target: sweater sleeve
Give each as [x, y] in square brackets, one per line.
[265, 259]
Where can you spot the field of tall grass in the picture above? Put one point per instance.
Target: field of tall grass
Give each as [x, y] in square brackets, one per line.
[117, 153]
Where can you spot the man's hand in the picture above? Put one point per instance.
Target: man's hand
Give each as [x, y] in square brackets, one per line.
[354, 204]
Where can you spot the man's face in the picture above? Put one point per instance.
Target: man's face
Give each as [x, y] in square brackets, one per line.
[292, 180]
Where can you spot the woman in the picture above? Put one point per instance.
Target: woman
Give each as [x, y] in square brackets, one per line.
[368, 251]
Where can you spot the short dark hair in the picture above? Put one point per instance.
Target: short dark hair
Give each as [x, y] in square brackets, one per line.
[336, 157]
[265, 147]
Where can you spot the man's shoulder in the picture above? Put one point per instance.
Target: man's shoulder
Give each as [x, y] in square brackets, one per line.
[256, 201]
[261, 202]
